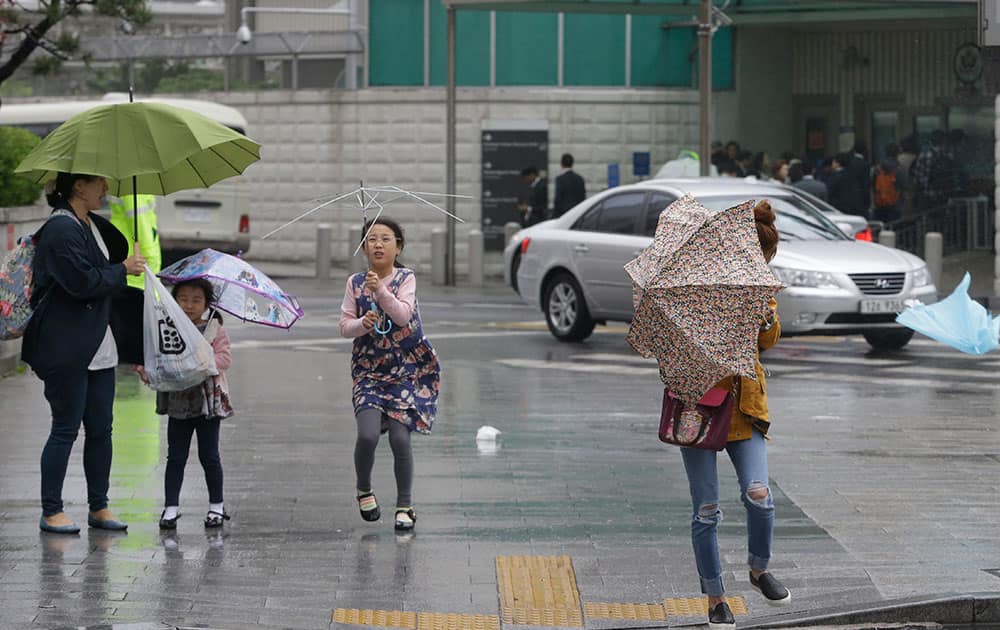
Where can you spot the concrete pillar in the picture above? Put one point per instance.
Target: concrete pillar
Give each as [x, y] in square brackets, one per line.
[439, 250]
[509, 230]
[323, 251]
[359, 262]
[476, 258]
[887, 238]
[933, 255]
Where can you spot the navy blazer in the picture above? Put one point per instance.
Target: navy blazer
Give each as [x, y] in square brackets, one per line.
[73, 288]
[570, 190]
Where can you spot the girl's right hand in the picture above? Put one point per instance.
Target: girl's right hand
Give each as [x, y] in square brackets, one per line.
[368, 321]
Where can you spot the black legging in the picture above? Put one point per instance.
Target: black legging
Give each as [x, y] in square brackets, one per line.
[369, 427]
[179, 434]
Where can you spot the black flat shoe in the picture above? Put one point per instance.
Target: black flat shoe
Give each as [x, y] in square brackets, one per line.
[405, 524]
[371, 514]
[721, 617]
[214, 519]
[168, 523]
[772, 590]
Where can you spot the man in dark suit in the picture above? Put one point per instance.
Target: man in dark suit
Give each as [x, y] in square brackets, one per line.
[842, 190]
[534, 205]
[570, 188]
[801, 176]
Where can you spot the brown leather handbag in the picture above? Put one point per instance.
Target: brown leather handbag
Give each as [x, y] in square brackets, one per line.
[705, 426]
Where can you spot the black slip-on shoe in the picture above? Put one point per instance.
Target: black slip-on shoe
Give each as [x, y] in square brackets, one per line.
[773, 591]
[721, 617]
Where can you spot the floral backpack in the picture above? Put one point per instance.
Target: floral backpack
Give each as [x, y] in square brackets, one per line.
[15, 289]
[16, 281]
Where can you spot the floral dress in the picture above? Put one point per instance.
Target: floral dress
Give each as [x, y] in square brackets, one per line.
[397, 373]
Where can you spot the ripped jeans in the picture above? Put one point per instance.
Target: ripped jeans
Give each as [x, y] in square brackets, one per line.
[749, 458]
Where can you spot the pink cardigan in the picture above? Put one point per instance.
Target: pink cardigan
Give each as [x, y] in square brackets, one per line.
[399, 308]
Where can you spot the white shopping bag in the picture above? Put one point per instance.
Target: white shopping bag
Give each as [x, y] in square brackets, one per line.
[176, 355]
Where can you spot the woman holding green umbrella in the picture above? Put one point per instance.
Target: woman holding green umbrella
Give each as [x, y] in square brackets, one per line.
[80, 262]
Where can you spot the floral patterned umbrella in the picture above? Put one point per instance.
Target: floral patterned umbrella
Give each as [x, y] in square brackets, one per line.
[702, 290]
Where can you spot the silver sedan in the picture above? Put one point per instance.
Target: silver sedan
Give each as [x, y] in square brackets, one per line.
[572, 267]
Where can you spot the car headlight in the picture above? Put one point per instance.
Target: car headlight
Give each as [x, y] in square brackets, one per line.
[803, 278]
[922, 277]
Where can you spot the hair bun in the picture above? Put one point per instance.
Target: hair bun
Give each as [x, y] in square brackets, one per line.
[763, 213]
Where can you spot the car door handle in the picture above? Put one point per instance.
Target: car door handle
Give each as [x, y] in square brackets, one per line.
[581, 249]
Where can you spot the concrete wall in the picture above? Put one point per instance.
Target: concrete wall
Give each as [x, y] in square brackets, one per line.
[321, 142]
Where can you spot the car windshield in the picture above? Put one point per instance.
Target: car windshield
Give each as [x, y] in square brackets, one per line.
[796, 219]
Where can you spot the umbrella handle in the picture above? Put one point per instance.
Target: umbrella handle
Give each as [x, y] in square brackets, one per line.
[376, 326]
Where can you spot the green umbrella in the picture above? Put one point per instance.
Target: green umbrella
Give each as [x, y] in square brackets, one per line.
[144, 147]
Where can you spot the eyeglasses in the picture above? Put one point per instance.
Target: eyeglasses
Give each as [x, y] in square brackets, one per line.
[375, 240]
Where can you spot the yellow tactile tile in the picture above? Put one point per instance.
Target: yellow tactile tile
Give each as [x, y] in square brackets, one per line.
[448, 621]
[698, 606]
[538, 591]
[381, 618]
[640, 612]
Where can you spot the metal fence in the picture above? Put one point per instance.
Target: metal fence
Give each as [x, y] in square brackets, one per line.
[965, 224]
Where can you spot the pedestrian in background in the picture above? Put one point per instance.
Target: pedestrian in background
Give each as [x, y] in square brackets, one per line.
[800, 175]
[746, 447]
[80, 263]
[887, 186]
[570, 188]
[197, 410]
[128, 304]
[394, 368]
[535, 202]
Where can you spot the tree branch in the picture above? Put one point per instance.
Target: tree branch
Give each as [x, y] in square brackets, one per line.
[32, 37]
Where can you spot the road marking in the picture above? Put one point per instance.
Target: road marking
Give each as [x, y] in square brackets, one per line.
[859, 360]
[336, 341]
[885, 379]
[985, 372]
[601, 368]
[538, 591]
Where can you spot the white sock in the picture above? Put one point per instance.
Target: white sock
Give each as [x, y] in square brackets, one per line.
[216, 507]
[170, 512]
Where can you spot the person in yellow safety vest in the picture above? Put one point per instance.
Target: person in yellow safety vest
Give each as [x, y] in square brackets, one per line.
[149, 236]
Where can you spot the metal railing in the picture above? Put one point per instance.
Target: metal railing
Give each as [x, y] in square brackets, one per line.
[965, 224]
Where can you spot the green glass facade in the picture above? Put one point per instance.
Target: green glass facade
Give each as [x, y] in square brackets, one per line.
[527, 49]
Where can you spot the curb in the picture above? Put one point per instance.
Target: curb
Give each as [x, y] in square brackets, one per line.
[945, 609]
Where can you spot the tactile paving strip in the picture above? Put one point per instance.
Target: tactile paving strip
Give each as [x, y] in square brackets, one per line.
[698, 606]
[415, 621]
[538, 591]
[638, 612]
[382, 618]
[447, 621]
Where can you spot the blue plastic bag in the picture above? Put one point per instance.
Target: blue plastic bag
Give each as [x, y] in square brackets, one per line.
[956, 320]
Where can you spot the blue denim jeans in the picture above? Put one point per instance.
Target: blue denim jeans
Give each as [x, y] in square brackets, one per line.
[749, 458]
[78, 397]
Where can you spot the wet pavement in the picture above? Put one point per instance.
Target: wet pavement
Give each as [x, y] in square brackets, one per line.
[885, 470]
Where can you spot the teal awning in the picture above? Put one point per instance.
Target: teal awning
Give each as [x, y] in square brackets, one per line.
[746, 11]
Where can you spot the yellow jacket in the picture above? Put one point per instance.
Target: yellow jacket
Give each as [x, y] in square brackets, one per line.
[751, 410]
[149, 236]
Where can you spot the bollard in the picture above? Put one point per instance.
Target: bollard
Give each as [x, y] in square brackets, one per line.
[323, 251]
[359, 262]
[887, 238]
[439, 248]
[933, 252]
[509, 230]
[476, 258]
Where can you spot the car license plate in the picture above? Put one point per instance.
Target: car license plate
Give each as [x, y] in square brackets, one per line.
[196, 215]
[882, 306]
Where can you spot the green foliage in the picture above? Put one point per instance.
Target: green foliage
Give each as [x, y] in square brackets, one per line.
[15, 190]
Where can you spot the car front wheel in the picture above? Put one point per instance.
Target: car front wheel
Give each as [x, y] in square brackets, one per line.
[566, 309]
[888, 339]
